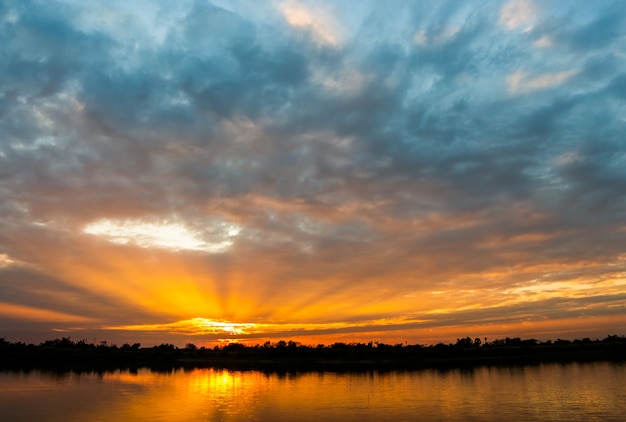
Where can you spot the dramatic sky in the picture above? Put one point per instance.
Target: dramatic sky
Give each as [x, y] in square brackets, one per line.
[195, 171]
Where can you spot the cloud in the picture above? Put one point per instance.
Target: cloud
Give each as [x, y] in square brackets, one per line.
[423, 39]
[518, 13]
[520, 82]
[317, 19]
[168, 235]
[6, 261]
[544, 42]
[34, 314]
[310, 164]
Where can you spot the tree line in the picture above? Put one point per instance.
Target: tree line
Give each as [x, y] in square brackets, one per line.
[66, 353]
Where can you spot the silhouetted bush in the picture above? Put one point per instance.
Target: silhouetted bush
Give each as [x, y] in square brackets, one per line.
[64, 353]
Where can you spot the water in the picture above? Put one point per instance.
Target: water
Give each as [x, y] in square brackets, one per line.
[549, 392]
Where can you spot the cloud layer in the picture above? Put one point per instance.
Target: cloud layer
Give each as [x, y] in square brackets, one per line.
[407, 166]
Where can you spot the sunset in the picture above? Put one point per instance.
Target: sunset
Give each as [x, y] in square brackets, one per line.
[410, 172]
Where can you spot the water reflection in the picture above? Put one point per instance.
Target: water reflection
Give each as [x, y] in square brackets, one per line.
[573, 392]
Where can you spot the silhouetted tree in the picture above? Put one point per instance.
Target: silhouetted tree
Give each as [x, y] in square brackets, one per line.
[464, 342]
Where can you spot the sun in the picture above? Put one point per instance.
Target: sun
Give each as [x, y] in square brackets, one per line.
[205, 325]
[194, 327]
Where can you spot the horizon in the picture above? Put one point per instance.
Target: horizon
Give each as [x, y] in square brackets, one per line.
[222, 171]
[285, 342]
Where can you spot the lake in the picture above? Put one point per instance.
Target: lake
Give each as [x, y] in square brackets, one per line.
[547, 392]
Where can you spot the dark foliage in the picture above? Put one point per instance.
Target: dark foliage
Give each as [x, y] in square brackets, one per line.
[60, 354]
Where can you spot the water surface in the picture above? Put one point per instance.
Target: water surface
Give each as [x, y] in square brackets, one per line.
[548, 392]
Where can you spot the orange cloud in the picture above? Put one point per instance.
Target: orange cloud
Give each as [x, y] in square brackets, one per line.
[29, 313]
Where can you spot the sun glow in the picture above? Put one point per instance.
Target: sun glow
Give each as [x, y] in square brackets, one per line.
[234, 331]
[194, 326]
[204, 324]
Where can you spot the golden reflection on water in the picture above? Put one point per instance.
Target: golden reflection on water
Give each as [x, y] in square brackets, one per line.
[201, 394]
[573, 392]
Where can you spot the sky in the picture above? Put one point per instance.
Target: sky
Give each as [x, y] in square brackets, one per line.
[317, 171]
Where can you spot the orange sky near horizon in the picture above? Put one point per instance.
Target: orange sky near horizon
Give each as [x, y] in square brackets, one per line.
[181, 297]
